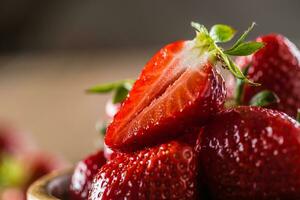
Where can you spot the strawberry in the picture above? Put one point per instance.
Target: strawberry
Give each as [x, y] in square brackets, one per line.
[83, 175]
[179, 87]
[120, 89]
[277, 68]
[13, 141]
[38, 164]
[7, 142]
[166, 171]
[251, 153]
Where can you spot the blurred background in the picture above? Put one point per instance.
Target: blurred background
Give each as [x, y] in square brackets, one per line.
[51, 51]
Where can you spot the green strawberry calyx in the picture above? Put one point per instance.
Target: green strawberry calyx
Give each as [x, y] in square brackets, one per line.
[208, 41]
[119, 88]
[264, 98]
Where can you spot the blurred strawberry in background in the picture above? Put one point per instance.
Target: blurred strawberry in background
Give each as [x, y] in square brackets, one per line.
[88, 167]
[13, 141]
[21, 163]
[119, 91]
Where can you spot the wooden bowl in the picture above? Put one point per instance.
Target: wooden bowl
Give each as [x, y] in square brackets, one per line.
[51, 187]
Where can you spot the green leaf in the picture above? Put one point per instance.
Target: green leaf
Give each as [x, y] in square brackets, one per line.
[199, 27]
[205, 42]
[120, 94]
[239, 92]
[128, 84]
[103, 128]
[109, 87]
[236, 70]
[221, 33]
[245, 49]
[103, 88]
[298, 115]
[243, 36]
[264, 98]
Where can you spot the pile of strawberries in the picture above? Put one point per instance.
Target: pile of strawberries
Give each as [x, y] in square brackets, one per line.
[177, 136]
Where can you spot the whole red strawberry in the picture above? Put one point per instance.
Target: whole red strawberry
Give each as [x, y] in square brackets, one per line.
[167, 171]
[251, 153]
[277, 68]
[83, 175]
[12, 140]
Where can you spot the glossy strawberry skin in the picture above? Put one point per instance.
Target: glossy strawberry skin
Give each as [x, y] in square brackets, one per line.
[167, 171]
[156, 111]
[277, 68]
[251, 153]
[83, 175]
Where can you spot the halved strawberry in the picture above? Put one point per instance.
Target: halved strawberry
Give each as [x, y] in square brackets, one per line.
[170, 94]
[178, 87]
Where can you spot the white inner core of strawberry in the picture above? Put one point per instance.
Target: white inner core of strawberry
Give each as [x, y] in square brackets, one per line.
[191, 56]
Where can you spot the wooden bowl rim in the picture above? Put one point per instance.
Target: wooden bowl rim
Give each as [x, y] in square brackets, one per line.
[39, 189]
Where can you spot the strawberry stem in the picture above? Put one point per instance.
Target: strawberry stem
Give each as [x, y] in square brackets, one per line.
[240, 85]
[298, 115]
[243, 37]
[207, 41]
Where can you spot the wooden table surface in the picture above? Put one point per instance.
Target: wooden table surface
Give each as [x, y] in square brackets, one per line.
[44, 94]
